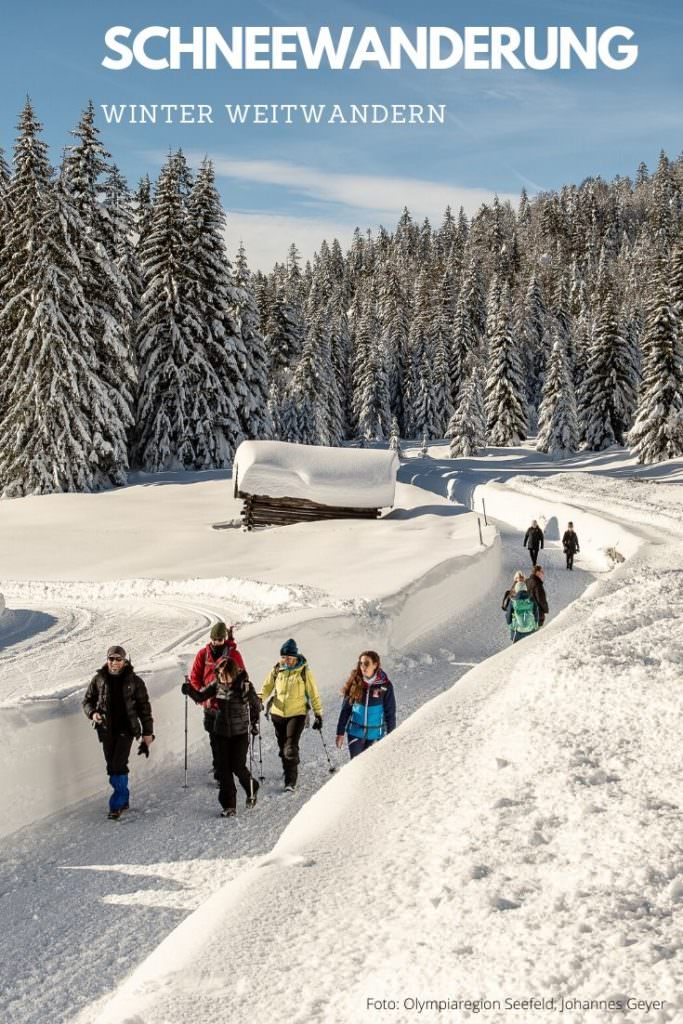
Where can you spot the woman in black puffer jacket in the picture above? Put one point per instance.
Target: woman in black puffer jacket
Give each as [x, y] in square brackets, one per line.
[237, 717]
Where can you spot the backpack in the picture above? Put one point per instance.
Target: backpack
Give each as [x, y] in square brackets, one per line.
[523, 617]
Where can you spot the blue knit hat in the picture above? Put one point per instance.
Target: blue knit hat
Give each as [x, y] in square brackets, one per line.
[289, 649]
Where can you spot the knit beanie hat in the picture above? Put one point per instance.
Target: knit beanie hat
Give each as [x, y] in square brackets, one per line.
[219, 631]
[289, 649]
[117, 652]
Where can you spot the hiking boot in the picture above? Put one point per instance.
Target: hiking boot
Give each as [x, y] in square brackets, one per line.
[228, 812]
[251, 800]
[114, 815]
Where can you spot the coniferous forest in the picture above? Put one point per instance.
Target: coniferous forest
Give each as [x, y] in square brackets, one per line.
[128, 340]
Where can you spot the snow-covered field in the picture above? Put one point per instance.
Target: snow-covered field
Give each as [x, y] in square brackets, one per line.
[518, 835]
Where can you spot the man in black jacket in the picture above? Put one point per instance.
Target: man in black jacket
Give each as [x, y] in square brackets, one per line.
[537, 593]
[533, 540]
[117, 703]
[570, 544]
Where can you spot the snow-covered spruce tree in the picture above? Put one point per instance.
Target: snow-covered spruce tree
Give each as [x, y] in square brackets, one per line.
[108, 293]
[395, 437]
[225, 402]
[533, 338]
[5, 208]
[394, 315]
[441, 380]
[283, 336]
[340, 340]
[49, 367]
[676, 279]
[27, 196]
[427, 411]
[464, 345]
[608, 394]
[314, 386]
[144, 211]
[558, 427]
[174, 426]
[467, 426]
[372, 398]
[506, 414]
[255, 413]
[657, 434]
[425, 415]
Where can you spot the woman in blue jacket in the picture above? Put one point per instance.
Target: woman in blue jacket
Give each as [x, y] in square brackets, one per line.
[368, 710]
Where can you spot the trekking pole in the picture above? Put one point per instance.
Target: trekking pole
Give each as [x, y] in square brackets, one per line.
[483, 505]
[332, 767]
[251, 752]
[481, 539]
[185, 783]
[261, 777]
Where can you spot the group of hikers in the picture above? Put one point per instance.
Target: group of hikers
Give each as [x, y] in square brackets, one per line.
[118, 705]
[525, 603]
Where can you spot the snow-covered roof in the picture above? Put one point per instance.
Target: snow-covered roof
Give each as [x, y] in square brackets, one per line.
[350, 477]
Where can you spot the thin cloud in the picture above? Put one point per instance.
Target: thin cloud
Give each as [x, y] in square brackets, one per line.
[385, 196]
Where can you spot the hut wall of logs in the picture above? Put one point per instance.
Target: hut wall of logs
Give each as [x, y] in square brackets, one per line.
[262, 510]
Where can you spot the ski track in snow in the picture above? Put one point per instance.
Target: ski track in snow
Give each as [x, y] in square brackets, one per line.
[86, 890]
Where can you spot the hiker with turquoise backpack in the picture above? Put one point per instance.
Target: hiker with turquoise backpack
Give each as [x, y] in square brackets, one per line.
[289, 691]
[522, 613]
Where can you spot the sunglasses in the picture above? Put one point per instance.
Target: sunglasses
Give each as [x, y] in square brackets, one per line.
[366, 661]
[115, 659]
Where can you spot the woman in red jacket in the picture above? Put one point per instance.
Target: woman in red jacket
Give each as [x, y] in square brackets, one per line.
[203, 672]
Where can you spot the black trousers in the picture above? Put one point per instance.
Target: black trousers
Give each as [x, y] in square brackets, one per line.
[533, 555]
[569, 555]
[231, 754]
[288, 732]
[116, 747]
[209, 722]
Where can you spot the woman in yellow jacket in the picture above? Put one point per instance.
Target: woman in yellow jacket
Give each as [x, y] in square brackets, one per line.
[290, 690]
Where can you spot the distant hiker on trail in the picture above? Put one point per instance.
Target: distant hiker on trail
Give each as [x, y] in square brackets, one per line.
[117, 703]
[522, 613]
[533, 540]
[288, 691]
[536, 589]
[235, 721]
[368, 710]
[570, 545]
[519, 577]
[221, 645]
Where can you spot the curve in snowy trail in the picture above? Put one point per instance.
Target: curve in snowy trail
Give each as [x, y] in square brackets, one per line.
[483, 867]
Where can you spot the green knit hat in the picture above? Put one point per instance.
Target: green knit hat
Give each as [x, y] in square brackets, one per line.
[219, 631]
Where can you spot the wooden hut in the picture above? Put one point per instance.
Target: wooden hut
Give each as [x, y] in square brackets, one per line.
[282, 483]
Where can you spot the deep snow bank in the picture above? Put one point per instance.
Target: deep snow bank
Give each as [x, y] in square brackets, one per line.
[519, 836]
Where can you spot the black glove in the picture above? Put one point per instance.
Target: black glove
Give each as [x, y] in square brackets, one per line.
[254, 729]
[186, 688]
[318, 724]
[143, 749]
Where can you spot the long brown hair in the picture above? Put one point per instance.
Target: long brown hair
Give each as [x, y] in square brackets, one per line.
[228, 666]
[353, 687]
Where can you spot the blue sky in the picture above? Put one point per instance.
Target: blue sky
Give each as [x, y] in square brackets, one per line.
[504, 129]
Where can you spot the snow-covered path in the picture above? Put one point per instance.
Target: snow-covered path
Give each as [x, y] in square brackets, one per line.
[517, 839]
[84, 890]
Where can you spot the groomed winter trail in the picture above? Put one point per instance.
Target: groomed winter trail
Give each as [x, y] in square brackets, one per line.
[102, 892]
[517, 837]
